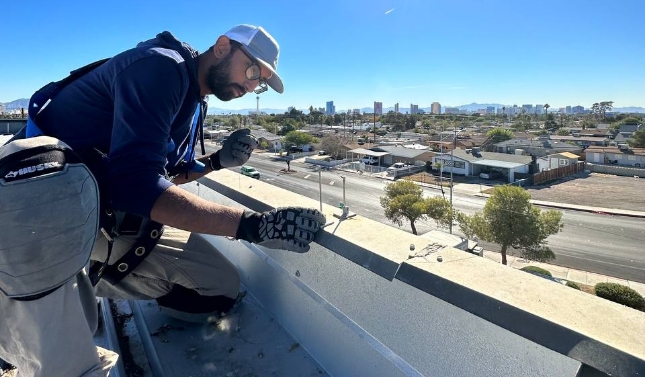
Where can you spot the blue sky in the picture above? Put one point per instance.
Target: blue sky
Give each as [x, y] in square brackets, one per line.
[356, 52]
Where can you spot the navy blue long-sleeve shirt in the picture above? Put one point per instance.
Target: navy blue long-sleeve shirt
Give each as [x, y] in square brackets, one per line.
[130, 108]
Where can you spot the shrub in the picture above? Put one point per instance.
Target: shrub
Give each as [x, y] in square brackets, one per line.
[573, 285]
[620, 294]
[536, 270]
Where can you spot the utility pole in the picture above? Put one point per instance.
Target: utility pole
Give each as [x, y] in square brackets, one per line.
[374, 128]
[452, 167]
[320, 188]
[441, 163]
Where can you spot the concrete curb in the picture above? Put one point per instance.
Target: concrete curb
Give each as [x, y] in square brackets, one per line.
[574, 207]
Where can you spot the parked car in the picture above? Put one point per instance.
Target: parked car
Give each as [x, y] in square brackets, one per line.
[295, 150]
[490, 175]
[322, 153]
[250, 172]
[398, 165]
[370, 160]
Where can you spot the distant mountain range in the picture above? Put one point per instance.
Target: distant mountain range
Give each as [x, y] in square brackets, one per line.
[16, 104]
[24, 102]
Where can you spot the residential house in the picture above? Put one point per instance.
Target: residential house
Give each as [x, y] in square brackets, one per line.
[411, 156]
[594, 132]
[581, 141]
[471, 162]
[272, 140]
[557, 160]
[626, 131]
[619, 155]
[540, 147]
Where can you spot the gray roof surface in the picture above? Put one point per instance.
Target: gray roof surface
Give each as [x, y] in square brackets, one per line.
[518, 159]
[544, 143]
[402, 151]
[498, 164]
[368, 152]
[265, 135]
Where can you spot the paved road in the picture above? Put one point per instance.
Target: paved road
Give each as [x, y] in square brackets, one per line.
[609, 245]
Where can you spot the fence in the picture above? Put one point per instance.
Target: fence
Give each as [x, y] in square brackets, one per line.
[557, 173]
[616, 170]
[408, 170]
[323, 163]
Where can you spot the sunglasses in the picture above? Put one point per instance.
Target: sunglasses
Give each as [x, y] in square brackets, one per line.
[254, 72]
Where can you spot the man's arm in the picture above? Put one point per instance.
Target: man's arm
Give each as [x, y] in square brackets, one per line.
[180, 209]
[235, 152]
[182, 178]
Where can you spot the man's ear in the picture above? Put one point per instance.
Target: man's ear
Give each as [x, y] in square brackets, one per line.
[222, 47]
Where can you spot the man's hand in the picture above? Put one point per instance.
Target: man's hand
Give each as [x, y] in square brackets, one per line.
[288, 228]
[236, 150]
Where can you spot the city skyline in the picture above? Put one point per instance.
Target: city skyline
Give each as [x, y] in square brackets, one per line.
[395, 51]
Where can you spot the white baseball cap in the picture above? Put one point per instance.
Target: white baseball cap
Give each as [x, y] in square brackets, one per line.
[261, 45]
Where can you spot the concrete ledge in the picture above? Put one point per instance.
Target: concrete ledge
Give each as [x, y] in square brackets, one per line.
[594, 331]
[375, 246]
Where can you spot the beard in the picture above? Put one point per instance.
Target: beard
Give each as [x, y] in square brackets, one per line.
[219, 82]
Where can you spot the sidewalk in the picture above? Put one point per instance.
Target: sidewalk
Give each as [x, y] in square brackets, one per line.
[575, 207]
[559, 272]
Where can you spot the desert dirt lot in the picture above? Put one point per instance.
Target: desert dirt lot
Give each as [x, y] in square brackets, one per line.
[596, 190]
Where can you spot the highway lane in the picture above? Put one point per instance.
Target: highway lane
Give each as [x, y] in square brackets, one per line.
[605, 244]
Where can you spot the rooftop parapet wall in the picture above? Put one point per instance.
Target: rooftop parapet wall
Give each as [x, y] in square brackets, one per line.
[435, 317]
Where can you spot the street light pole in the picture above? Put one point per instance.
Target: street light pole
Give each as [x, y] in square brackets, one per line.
[320, 188]
[452, 167]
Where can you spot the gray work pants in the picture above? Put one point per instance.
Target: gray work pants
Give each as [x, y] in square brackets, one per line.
[53, 336]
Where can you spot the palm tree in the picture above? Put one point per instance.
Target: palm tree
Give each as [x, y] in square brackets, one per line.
[546, 108]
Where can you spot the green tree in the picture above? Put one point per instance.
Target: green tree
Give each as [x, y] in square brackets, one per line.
[638, 139]
[550, 122]
[232, 122]
[404, 200]
[298, 138]
[499, 134]
[631, 120]
[510, 220]
[562, 132]
[600, 108]
[333, 145]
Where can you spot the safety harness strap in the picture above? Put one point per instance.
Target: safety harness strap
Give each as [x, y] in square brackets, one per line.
[144, 244]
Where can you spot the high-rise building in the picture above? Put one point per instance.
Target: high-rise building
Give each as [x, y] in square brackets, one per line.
[451, 110]
[578, 109]
[528, 109]
[490, 109]
[357, 111]
[330, 109]
[290, 108]
[435, 108]
[539, 109]
[567, 110]
[414, 109]
[396, 108]
[378, 108]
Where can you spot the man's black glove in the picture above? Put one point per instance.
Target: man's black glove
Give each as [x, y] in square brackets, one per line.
[236, 150]
[288, 228]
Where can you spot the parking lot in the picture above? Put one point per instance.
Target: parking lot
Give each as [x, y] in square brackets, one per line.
[596, 190]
